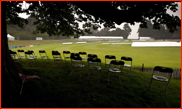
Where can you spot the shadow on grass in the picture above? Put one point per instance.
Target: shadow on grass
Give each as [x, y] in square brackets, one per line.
[56, 89]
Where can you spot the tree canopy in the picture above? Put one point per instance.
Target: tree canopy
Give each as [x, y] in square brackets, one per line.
[62, 17]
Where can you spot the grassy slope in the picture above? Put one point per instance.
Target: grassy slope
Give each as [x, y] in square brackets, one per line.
[57, 89]
[150, 56]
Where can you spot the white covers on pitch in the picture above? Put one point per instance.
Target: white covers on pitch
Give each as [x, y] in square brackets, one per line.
[155, 44]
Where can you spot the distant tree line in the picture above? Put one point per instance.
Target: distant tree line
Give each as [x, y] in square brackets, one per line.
[163, 33]
[27, 31]
[125, 32]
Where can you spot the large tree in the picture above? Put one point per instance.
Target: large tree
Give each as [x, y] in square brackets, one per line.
[61, 18]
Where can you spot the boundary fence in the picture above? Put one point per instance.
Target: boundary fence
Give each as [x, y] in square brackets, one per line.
[24, 46]
[176, 73]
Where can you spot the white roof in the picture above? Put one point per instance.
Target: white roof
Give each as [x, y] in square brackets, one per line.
[111, 37]
[145, 38]
[9, 35]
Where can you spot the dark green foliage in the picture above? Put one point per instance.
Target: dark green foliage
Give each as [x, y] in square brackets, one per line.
[12, 14]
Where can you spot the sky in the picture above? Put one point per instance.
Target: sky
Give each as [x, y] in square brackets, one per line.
[134, 34]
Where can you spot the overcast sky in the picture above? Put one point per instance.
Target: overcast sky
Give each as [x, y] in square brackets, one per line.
[134, 34]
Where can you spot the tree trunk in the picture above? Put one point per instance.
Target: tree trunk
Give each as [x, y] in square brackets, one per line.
[10, 80]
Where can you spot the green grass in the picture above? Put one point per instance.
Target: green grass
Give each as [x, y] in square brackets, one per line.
[56, 89]
[149, 56]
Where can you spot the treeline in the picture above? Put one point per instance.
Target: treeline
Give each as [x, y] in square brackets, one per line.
[125, 32]
[163, 33]
[27, 31]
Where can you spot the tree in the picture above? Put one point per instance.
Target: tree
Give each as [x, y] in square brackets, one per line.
[158, 34]
[177, 34]
[28, 29]
[146, 32]
[117, 32]
[127, 30]
[93, 30]
[10, 81]
[104, 32]
[61, 18]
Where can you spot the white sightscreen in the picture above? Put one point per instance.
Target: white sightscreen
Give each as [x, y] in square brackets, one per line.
[155, 44]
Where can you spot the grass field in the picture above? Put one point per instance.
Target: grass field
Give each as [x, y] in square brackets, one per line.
[56, 89]
[149, 56]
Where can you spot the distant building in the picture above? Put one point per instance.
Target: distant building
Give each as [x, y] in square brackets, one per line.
[38, 38]
[145, 38]
[100, 37]
[10, 37]
[72, 37]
